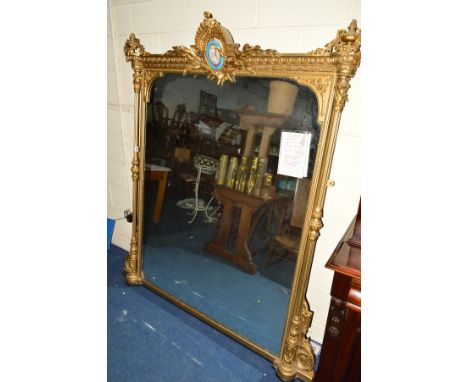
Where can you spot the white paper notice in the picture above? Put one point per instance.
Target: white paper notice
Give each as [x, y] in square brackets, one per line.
[294, 154]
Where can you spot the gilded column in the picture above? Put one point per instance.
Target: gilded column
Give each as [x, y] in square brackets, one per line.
[131, 268]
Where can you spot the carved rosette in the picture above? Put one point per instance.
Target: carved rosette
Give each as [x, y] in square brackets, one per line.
[297, 357]
[337, 317]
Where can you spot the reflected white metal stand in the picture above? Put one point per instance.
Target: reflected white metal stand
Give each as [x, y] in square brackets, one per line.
[208, 166]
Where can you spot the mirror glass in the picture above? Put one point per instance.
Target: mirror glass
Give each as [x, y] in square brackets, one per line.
[223, 211]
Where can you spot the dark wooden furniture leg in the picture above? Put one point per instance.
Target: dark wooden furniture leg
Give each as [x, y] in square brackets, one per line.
[161, 177]
[242, 255]
[160, 198]
[340, 359]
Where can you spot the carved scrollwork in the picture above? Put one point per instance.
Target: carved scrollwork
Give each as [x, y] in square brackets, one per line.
[235, 60]
[131, 46]
[147, 76]
[250, 51]
[345, 50]
[297, 356]
[346, 41]
[194, 59]
[130, 268]
[322, 86]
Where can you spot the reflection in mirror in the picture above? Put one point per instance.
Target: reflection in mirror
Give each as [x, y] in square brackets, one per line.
[227, 179]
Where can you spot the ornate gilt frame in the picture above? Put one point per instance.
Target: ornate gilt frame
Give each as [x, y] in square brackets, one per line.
[327, 72]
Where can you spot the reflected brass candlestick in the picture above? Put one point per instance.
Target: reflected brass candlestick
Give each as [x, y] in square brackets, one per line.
[261, 171]
[231, 174]
[253, 174]
[241, 179]
[268, 189]
[222, 169]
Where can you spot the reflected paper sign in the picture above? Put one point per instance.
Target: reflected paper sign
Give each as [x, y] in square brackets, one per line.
[294, 154]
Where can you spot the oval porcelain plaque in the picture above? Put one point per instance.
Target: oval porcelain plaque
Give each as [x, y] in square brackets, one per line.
[213, 54]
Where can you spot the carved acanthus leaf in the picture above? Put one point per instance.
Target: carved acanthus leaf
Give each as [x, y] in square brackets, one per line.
[130, 268]
[249, 51]
[347, 41]
[235, 60]
[297, 354]
[132, 45]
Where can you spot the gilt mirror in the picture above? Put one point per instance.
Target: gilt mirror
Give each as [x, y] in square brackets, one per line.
[232, 155]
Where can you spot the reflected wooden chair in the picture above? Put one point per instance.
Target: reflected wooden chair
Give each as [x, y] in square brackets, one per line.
[208, 104]
[286, 244]
[157, 125]
[160, 115]
[178, 127]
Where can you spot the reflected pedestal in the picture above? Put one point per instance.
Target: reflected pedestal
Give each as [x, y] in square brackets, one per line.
[251, 210]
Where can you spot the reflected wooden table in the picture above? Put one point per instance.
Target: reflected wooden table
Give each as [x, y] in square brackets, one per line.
[159, 174]
[252, 209]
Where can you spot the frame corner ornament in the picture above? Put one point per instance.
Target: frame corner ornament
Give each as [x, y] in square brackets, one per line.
[297, 358]
[131, 264]
[347, 41]
[132, 45]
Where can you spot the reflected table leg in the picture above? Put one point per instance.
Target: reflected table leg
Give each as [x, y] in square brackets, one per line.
[160, 198]
[161, 177]
[251, 210]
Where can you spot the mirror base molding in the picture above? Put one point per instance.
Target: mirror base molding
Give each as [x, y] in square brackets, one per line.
[215, 324]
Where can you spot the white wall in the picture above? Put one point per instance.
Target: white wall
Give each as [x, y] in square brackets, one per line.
[288, 26]
[118, 159]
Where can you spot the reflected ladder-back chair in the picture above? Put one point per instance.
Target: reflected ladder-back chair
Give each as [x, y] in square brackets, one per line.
[157, 127]
[286, 244]
[208, 104]
[177, 127]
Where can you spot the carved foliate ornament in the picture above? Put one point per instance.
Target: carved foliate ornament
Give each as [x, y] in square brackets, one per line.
[216, 54]
[346, 41]
[321, 86]
[132, 45]
[130, 268]
[297, 357]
